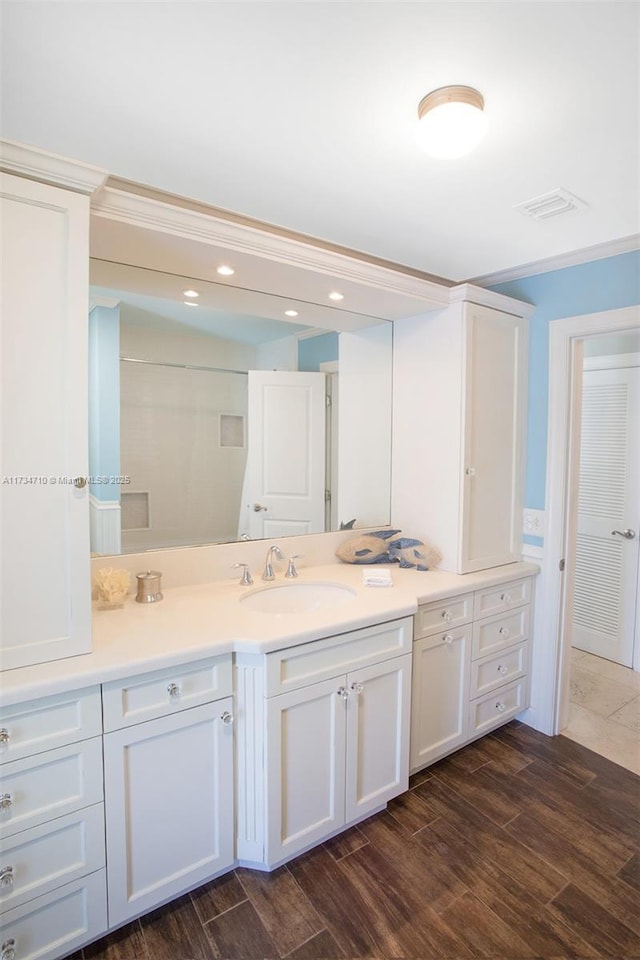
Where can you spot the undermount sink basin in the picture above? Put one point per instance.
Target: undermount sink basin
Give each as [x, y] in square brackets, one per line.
[297, 597]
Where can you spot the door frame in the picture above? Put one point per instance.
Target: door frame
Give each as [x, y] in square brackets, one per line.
[565, 358]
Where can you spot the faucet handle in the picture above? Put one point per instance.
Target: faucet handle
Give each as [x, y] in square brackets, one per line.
[246, 579]
[291, 569]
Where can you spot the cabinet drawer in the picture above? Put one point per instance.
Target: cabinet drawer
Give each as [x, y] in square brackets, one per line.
[442, 614]
[164, 692]
[55, 924]
[39, 860]
[496, 708]
[501, 598]
[496, 633]
[494, 671]
[51, 722]
[311, 662]
[50, 785]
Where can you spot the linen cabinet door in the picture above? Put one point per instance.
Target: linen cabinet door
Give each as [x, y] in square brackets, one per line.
[495, 380]
[441, 678]
[378, 717]
[169, 806]
[43, 421]
[305, 746]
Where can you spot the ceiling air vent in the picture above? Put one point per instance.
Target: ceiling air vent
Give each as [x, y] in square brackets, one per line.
[551, 204]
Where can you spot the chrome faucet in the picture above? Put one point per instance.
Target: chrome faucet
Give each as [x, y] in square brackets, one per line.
[268, 573]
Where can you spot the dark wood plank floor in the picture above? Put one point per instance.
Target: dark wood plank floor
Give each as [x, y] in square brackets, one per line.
[518, 846]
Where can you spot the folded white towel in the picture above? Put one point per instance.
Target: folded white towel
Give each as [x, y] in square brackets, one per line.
[380, 577]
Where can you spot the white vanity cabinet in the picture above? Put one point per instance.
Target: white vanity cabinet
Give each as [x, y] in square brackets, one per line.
[441, 676]
[336, 743]
[45, 518]
[458, 433]
[52, 850]
[168, 754]
[470, 671]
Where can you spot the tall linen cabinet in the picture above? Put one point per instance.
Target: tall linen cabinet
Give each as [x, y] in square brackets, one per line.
[459, 429]
[44, 233]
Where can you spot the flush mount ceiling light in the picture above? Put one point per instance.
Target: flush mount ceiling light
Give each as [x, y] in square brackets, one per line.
[291, 313]
[225, 271]
[190, 293]
[334, 295]
[452, 121]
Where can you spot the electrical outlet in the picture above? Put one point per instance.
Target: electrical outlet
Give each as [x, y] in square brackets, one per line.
[533, 522]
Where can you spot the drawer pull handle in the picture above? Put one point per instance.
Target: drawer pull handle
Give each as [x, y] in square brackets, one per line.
[5, 736]
[357, 687]
[343, 692]
[504, 631]
[501, 707]
[6, 801]
[227, 718]
[503, 669]
[448, 639]
[506, 598]
[8, 949]
[6, 878]
[174, 692]
[447, 615]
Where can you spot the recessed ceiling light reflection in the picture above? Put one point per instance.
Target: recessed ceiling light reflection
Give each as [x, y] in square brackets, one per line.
[190, 303]
[291, 313]
[225, 270]
[334, 295]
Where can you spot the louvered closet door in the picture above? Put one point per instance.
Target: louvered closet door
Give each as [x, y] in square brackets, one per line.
[606, 570]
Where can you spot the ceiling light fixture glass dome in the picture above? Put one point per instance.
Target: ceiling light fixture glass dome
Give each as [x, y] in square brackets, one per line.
[451, 121]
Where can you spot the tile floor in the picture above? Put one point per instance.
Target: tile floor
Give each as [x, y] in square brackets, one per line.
[518, 847]
[604, 710]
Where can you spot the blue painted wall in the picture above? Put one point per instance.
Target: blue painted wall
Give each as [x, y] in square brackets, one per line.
[313, 351]
[573, 291]
[104, 400]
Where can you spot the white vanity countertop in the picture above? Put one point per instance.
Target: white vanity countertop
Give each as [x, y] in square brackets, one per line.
[195, 622]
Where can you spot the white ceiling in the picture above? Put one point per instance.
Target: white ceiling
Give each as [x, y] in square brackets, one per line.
[301, 114]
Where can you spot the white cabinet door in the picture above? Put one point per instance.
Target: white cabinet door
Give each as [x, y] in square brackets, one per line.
[169, 807]
[45, 520]
[493, 430]
[441, 677]
[458, 433]
[378, 716]
[305, 747]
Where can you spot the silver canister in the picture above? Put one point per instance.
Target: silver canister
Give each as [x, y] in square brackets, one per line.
[149, 586]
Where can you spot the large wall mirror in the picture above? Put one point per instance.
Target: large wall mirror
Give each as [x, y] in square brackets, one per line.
[219, 413]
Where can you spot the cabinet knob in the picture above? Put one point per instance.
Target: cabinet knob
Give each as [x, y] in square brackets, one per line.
[505, 597]
[357, 687]
[6, 877]
[227, 718]
[8, 949]
[80, 483]
[174, 691]
[4, 736]
[6, 801]
[447, 615]
[504, 631]
[343, 692]
[500, 707]
[448, 639]
[502, 669]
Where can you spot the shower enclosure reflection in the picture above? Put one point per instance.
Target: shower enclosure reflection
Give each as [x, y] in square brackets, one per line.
[217, 424]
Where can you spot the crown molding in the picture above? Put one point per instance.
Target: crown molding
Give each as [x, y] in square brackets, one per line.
[154, 214]
[600, 251]
[488, 298]
[35, 164]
